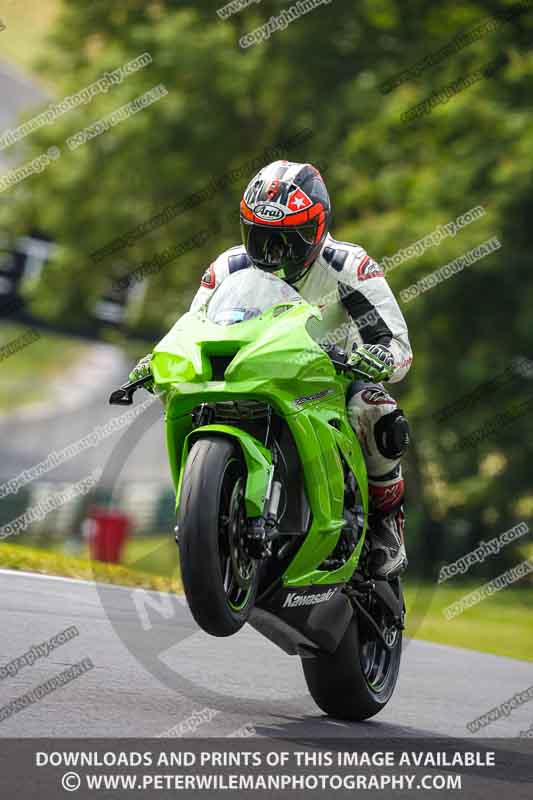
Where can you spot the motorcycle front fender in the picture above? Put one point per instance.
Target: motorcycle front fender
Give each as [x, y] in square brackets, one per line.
[258, 460]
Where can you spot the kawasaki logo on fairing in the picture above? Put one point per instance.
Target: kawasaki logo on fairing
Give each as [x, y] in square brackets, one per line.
[294, 600]
[307, 398]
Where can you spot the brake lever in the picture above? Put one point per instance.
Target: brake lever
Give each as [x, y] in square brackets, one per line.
[337, 356]
[339, 359]
[362, 375]
[124, 395]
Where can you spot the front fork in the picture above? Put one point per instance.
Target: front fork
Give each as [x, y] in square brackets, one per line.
[262, 530]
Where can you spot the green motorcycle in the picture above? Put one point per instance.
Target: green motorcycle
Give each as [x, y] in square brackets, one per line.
[271, 485]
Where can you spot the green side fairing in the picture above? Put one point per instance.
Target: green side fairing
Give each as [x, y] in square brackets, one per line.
[275, 360]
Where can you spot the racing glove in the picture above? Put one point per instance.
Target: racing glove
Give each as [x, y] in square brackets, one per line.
[375, 361]
[141, 370]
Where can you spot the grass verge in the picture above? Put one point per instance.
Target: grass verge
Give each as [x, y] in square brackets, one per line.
[29, 559]
[157, 555]
[500, 624]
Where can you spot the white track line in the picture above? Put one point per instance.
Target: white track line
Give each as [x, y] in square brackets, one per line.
[82, 581]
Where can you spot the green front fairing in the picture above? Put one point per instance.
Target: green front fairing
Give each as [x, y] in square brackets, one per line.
[275, 361]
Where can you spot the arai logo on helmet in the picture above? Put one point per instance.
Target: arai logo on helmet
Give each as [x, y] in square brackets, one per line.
[269, 212]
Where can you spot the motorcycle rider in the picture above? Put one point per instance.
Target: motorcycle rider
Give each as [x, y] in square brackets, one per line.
[285, 220]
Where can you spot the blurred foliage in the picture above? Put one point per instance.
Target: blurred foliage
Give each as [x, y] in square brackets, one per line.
[391, 183]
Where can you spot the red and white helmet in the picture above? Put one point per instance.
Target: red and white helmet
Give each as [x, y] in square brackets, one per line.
[285, 218]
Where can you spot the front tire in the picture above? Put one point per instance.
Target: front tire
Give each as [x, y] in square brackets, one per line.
[219, 579]
[358, 679]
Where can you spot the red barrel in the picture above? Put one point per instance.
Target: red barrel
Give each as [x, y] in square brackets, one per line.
[107, 531]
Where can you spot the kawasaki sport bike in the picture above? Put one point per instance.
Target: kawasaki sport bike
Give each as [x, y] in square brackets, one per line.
[271, 490]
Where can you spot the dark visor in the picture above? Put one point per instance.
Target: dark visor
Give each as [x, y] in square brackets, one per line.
[273, 248]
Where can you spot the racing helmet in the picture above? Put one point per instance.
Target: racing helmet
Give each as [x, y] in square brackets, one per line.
[285, 217]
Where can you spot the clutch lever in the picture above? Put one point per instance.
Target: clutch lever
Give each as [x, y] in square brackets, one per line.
[124, 395]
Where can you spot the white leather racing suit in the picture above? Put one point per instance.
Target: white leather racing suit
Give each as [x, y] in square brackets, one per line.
[358, 307]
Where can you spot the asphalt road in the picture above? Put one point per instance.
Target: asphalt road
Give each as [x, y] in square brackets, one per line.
[153, 670]
[18, 93]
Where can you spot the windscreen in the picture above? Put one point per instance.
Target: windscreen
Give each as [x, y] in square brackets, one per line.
[246, 294]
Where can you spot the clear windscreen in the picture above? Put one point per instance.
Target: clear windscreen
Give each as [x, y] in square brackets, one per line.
[247, 294]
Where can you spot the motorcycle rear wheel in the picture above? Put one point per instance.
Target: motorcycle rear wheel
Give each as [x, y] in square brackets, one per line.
[358, 679]
[219, 579]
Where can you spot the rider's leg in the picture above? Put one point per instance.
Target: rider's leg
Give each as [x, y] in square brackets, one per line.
[383, 433]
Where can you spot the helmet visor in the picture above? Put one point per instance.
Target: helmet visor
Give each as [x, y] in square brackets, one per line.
[274, 248]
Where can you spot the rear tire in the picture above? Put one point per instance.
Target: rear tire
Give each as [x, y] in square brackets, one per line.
[350, 684]
[220, 581]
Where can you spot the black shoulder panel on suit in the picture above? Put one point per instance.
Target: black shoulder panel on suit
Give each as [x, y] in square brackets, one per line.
[335, 258]
[235, 263]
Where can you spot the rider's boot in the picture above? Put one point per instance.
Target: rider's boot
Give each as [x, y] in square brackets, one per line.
[387, 557]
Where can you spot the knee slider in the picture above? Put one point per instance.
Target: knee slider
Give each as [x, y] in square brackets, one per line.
[392, 434]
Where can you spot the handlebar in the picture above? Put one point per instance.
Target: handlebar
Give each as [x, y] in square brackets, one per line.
[124, 395]
[339, 359]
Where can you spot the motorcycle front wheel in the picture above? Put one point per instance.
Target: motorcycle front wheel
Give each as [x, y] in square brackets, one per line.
[219, 578]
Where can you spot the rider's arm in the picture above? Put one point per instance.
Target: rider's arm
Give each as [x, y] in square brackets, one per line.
[369, 300]
[207, 286]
